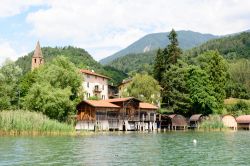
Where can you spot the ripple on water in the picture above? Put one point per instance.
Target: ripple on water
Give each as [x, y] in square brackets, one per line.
[171, 148]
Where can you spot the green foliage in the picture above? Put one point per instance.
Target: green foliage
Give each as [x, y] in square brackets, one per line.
[116, 75]
[134, 62]
[216, 68]
[240, 74]
[173, 51]
[56, 91]
[231, 47]
[175, 91]
[77, 56]
[201, 91]
[143, 87]
[159, 65]
[241, 107]
[213, 121]
[24, 121]
[9, 90]
[94, 98]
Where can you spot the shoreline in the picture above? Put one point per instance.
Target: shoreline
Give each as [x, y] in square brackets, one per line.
[90, 133]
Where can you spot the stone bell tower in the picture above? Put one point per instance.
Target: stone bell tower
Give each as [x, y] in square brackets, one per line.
[37, 58]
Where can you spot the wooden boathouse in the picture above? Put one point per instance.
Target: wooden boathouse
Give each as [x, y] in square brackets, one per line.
[97, 115]
[243, 122]
[229, 121]
[195, 120]
[116, 114]
[172, 122]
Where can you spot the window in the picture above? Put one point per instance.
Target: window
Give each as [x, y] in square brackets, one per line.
[88, 76]
[35, 60]
[41, 61]
[95, 77]
[96, 88]
[103, 79]
[102, 87]
[103, 97]
[88, 84]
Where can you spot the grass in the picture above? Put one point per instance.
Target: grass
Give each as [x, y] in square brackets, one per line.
[22, 122]
[232, 101]
[212, 122]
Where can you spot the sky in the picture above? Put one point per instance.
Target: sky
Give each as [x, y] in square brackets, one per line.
[103, 27]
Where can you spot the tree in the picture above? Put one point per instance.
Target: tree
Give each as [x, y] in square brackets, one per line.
[159, 65]
[201, 91]
[216, 68]
[9, 90]
[173, 50]
[57, 89]
[240, 72]
[143, 87]
[51, 101]
[175, 93]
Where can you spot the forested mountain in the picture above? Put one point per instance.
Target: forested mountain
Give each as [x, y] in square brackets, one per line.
[231, 47]
[187, 39]
[78, 56]
[135, 62]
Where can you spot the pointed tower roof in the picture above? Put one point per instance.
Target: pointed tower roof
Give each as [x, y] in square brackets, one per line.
[38, 51]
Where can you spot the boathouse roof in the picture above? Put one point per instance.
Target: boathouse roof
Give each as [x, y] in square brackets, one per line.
[121, 99]
[243, 119]
[195, 117]
[148, 106]
[100, 103]
[178, 120]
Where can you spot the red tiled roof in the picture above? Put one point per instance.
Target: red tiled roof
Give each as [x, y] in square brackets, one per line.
[101, 103]
[92, 73]
[120, 99]
[243, 119]
[147, 106]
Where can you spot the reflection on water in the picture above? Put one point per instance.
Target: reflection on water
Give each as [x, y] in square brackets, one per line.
[132, 148]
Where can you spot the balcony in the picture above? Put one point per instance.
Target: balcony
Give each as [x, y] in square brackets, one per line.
[97, 89]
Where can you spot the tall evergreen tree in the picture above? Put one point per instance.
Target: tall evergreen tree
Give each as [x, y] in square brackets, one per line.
[159, 66]
[173, 49]
[170, 56]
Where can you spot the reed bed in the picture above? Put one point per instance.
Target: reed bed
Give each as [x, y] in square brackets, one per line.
[22, 122]
[212, 122]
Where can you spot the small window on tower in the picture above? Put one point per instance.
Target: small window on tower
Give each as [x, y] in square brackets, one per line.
[35, 60]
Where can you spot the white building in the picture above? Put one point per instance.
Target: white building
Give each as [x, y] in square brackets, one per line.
[95, 84]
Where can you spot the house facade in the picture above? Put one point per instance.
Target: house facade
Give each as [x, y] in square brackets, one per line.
[95, 85]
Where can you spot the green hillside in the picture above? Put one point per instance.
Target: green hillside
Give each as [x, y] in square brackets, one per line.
[187, 39]
[135, 62]
[231, 47]
[78, 56]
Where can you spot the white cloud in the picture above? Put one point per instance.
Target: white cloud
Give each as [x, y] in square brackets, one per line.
[108, 23]
[105, 26]
[13, 7]
[6, 51]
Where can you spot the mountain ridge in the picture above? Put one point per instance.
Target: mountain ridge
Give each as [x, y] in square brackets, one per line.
[187, 39]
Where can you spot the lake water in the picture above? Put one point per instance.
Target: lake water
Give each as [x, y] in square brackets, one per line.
[132, 148]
